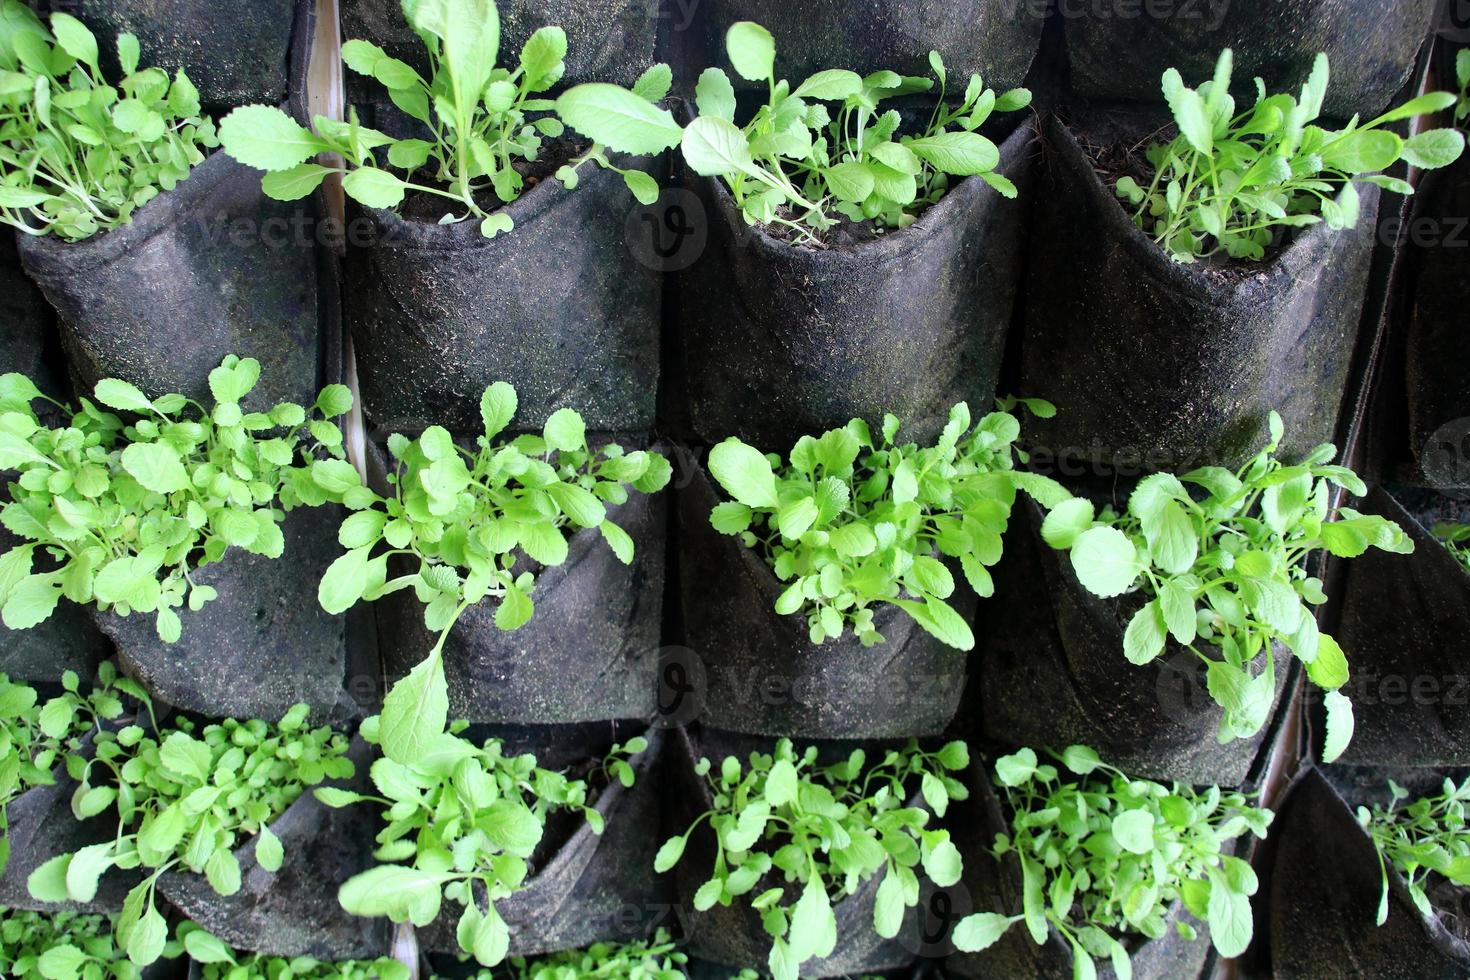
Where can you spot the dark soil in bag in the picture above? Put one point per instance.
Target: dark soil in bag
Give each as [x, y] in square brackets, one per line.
[590, 652]
[235, 53]
[780, 341]
[294, 911]
[265, 643]
[607, 40]
[1051, 672]
[1164, 365]
[1123, 48]
[585, 888]
[734, 935]
[1436, 382]
[756, 671]
[1323, 885]
[1405, 622]
[996, 38]
[560, 306]
[994, 885]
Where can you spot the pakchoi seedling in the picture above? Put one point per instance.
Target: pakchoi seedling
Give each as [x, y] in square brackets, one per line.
[823, 149]
[1426, 841]
[800, 836]
[655, 959]
[1220, 562]
[184, 799]
[1104, 857]
[851, 522]
[1456, 538]
[120, 513]
[471, 518]
[35, 738]
[79, 155]
[484, 121]
[469, 819]
[219, 962]
[1231, 181]
[64, 946]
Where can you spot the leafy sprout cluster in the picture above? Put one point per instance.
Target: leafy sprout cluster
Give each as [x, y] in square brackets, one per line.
[1104, 856]
[1462, 78]
[792, 837]
[1426, 841]
[1231, 180]
[484, 121]
[79, 155]
[34, 740]
[184, 798]
[1456, 538]
[851, 522]
[1219, 561]
[824, 149]
[469, 819]
[653, 959]
[63, 946]
[219, 962]
[120, 513]
[476, 520]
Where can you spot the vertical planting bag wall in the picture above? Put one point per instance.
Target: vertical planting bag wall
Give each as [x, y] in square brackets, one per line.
[590, 652]
[592, 888]
[1437, 384]
[762, 674]
[210, 268]
[994, 885]
[265, 643]
[1324, 887]
[1177, 365]
[734, 935]
[1050, 671]
[607, 40]
[1124, 47]
[1405, 622]
[560, 306]
[294, 911]
[996, 38]
[780, 341]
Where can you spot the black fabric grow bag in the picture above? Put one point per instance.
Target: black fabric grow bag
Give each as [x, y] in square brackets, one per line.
[1436, 382]
[294, 911]
[42, 826]
[211, 268]
[1324, 884]
[235, 53]
[1404, 621]
[1051, 671]
[265, 643]
[780, 341]
[590, 653]
[560, 307]
[1121, 48]
[594, 888]
[25, 324]
[1169, 365]
[734, 935]
[759, 673]
[994, 885]
[996, 38]
[607, 40]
